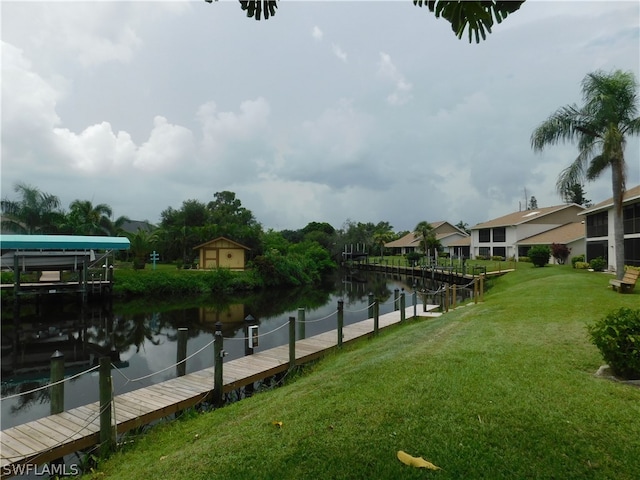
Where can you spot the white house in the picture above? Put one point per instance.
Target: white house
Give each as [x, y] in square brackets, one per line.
[501, 237]
[599, 231]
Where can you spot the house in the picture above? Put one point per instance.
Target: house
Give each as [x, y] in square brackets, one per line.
[501, 237]
[599, 231]
[221, 253]
[445, 233]
[571, 235]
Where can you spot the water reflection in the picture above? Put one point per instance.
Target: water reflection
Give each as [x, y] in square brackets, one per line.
[141, 338]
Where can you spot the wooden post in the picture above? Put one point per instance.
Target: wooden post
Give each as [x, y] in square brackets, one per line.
[403, 313]
[302, 319]
[248, 343]
[482, 288]
[107, 432]
[415, 300]
[446, 297]
[181, 363]
[57, 375]
[217, 365]
[454, 302]
[475, 290]
[371, 300]
[376, 317]
[340, 321]
[396, 295]
[292, 342]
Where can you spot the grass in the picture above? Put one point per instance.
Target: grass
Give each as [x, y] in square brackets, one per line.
[503, 389]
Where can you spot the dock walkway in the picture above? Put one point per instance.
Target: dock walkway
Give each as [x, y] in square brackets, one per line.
[46, 439]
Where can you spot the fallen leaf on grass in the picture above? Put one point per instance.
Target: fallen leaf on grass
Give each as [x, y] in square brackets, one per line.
[418, 462]
[277, 424]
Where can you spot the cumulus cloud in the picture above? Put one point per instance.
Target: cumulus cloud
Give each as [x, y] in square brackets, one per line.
[402, 91]
[317, 33]
[339, 52]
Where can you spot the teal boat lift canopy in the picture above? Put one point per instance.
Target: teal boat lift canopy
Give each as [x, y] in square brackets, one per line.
[62, 242]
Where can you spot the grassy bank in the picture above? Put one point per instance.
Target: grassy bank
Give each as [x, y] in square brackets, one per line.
[503, 389]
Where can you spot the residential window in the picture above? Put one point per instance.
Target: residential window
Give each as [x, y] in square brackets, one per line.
[484, 252]
[500, 234]
[597, 249]
[523, 251]
[631, 219]
[500, 252]
[484, 235]
[632, 251]
[597, 225]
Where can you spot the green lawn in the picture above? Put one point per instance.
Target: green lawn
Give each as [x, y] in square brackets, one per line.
[502, 389]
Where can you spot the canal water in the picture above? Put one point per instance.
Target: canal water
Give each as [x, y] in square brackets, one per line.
[141, 337]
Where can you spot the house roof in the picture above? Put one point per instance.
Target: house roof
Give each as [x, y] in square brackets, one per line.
[409, 240]
[461, 242]
[518, 218]
[217, 239]
[629, 195]
[62, 242]
[564, 234]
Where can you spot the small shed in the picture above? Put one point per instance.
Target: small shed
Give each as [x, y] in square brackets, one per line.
[221, 253]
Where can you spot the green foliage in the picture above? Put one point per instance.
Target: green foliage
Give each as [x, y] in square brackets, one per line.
[581, 265]
[576, 259]
[617, 336]
[539, 255]
[497, 258]
[413, 257]
[524, 259]
[598, 264]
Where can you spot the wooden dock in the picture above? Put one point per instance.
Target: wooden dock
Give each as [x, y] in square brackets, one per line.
[47, 439]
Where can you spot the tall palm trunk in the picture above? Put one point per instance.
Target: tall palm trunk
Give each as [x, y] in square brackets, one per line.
[617, 180]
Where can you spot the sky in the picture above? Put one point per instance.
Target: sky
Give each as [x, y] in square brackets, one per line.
[332, 111]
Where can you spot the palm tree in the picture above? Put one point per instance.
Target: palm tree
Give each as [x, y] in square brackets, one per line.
[380, 238]
[600, 128]
[424, 230]
[87, 219]
[35, 212]
[475, 15]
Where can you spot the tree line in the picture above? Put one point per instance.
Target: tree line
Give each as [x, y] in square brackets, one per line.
[305, 253]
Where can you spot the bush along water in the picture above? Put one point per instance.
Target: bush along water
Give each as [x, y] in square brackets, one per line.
[617, 336]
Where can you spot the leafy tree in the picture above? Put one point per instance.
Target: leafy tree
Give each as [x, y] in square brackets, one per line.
[382, 238]
[575, 194]
[560, 252]
[533, 203]
[476, 16]
[84, 218]
[599, 127]
[35, 212]
[428, 240]
[464, 226]
[141, 244]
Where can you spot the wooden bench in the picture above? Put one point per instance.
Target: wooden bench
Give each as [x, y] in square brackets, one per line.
[628, 282]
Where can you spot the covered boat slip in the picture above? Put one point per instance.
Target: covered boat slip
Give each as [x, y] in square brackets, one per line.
[53, 254]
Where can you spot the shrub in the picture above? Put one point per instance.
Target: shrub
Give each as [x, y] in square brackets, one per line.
[617, 336]
[539, 255]
[497, 258]
[581, 265]
[524, 259]
[576, 259]
[598, 264]
[560, 252]
[413, 257]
